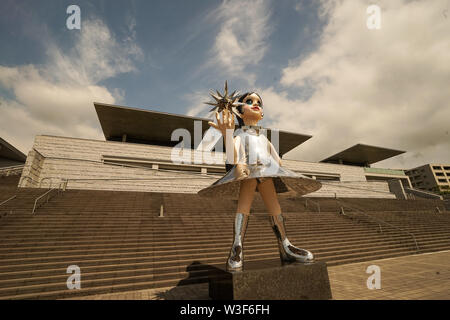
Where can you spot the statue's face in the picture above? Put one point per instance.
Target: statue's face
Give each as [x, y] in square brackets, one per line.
[252, 110]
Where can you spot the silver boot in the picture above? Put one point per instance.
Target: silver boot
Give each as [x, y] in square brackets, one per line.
[288, 252]
[235, 260]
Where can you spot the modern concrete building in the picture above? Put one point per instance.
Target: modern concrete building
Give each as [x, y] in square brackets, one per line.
[430, 177]
[139, 148]
[10, 156]
[362, 155]
[11, 159]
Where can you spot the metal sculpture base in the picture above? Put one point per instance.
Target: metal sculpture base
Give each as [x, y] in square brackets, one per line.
[261, 280]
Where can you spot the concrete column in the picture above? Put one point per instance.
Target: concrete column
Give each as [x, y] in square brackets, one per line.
[396, 187]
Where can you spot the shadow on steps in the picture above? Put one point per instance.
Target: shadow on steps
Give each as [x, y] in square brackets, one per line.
[192, 287]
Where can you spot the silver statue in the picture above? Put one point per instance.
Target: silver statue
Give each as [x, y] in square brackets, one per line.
[256, 166]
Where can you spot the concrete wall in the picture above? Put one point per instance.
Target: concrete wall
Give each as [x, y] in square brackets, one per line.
[352, 182]
[33, 170]
[57, 158]
[396, 187]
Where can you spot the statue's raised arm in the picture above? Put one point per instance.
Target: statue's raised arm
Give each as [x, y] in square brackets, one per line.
[226, 105]
[224, 124]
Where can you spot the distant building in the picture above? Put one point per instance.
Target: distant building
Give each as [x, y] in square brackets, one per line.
[430, 177]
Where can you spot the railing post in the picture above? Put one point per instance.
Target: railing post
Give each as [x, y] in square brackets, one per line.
[161, 211]
[44, 197]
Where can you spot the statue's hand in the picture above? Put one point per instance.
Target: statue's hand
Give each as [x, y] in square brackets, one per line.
[226, 124]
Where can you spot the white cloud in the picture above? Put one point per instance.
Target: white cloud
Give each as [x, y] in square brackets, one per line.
[97, 55]
[241, 42]
[386, 87]
[242, 38]
[57, 97]
[197, 107]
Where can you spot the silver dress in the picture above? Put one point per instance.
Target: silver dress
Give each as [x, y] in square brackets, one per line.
[255, 160]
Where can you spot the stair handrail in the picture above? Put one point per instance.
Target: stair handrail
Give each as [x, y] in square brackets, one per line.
[43, 179]
[13, 197]
[4, 202]
[61, 180]
[47, 194]
[420, 193]
[342, 212]
[379, 221]
[25, 178]
[7, 170]
[13, 167]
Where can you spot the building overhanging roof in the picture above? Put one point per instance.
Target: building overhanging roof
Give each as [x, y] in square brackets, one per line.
[153, 127]
[362, 155]
[7, 151]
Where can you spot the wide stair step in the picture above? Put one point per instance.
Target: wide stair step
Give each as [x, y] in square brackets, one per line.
[120, 243]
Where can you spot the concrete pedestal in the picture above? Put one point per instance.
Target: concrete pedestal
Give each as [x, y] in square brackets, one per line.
[262, 280]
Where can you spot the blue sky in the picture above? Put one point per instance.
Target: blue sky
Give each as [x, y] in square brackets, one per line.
[318, 67]
[175, 38]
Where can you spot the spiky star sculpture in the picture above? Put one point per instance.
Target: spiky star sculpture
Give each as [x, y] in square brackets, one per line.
[224, 101]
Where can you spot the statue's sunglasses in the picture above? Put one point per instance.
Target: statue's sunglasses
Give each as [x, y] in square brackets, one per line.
[250, 102]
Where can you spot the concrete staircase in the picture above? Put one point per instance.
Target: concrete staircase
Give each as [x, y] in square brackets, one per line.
[25, 197]
[120, 243]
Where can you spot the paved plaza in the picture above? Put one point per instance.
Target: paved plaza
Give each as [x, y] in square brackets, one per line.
[415, 277]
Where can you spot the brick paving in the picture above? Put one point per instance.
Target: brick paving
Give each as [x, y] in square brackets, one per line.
[415, 277]
[424, 276]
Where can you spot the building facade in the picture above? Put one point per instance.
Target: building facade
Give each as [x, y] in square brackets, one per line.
[430, 177]
[138, 155]
[113, 165]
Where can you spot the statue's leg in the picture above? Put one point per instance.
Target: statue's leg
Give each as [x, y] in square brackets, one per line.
[288, 252]
[246, 195]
